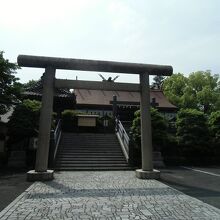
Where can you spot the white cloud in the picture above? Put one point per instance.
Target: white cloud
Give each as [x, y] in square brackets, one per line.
[184, 34]
[29, 14]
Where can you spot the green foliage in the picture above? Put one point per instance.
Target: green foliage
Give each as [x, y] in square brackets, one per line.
[192, 128]
[214, 126]
[69, 119]
[25, 119]
[10, 88]
[174, 88]
[159, 128]
[30, 84]
[158, 82]
[206, 89]
[136, 127]
[200, 90]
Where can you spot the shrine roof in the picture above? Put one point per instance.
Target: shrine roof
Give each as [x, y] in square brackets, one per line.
[100, 97]
[36, 90]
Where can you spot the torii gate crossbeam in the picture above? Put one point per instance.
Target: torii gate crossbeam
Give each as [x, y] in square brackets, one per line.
[49, 82]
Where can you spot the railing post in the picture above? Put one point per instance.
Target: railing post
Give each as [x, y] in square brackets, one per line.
[57, 136]
[123, 135]
[117, 124]
[51, 150]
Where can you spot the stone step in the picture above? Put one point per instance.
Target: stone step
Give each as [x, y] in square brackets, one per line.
[90, 152]
[66, 134]
[91, 156]
[93, 165]
[103, 168]
[72, 145]
[90, 164]
[92, 143]
[88, 146]
[84, 160]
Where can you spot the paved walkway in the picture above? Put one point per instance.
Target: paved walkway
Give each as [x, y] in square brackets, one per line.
[105, 195]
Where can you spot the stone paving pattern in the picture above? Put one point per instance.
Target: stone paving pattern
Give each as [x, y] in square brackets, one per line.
[106, 195]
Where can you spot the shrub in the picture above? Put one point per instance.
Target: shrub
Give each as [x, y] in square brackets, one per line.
[214, 126]
[69, 120]
[193, 136]
[158, 125]
[191, 127]
[136, 128]
[24, 121]
[214, 129]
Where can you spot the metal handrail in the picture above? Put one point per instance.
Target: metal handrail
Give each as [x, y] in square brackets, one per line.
[123, 138]
[123, 135]
[57, 136]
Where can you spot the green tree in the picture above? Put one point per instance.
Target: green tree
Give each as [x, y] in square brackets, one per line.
[10, 88]
[25, 119]
[174, 89]
[192, 129]
[200, 90]
[158, 82]
[214, 126]
[30, 84]
[69, 119]
[206, 89]
[158, 125]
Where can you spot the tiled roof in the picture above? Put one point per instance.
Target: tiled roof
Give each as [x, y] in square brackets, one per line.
[99, 97]
[36, 90]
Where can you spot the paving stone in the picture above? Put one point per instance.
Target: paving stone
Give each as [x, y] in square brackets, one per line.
[106, 195]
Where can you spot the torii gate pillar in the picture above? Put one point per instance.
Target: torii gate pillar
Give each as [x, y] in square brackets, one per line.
[41, 172]
[147, 171]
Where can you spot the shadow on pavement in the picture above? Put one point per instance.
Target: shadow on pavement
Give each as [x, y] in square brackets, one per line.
[197, 185]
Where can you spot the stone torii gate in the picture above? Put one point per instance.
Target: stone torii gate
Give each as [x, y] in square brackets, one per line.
[50, 64]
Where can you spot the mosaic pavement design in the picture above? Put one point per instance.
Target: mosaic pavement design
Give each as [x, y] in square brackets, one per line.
[105, 195]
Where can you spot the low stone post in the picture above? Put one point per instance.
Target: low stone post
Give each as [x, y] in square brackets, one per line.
[147, 171]
[41, 165]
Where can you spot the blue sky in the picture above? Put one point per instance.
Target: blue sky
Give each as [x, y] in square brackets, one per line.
[184, 34]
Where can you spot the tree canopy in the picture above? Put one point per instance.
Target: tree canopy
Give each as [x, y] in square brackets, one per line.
[10, 88]
[30, 83]
[25, 118]
[192, 127]
[201, 90]
[158, 82]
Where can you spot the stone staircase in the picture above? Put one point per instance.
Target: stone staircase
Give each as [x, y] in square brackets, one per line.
[90, 151]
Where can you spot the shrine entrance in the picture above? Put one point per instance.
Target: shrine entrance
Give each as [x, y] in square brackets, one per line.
[50, 64]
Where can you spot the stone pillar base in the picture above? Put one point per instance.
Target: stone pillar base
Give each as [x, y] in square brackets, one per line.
[32, 175]
[141, 174]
